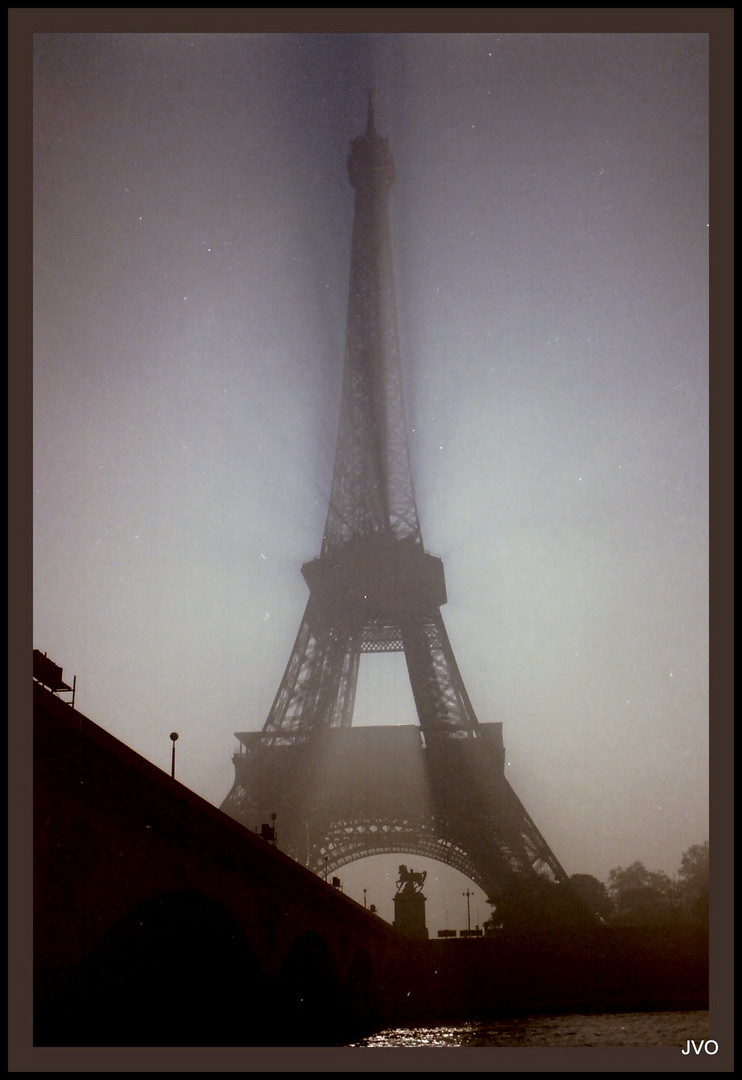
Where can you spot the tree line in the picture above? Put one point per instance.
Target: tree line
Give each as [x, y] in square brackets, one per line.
[635, 896]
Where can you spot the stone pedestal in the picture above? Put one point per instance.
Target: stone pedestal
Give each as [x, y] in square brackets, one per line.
[409, 914]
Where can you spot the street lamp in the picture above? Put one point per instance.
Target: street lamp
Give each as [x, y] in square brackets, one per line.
[364, 897]
[467, 894]
[174, 737]
[273, 819]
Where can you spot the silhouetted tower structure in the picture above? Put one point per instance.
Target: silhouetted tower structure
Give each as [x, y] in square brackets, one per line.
[341, 793]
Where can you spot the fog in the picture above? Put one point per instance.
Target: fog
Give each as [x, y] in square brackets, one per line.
[550, 227]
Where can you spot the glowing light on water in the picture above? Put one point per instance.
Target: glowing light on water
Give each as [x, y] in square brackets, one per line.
[603, 1029]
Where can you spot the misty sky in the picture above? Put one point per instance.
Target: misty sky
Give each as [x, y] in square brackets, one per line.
[550, 229]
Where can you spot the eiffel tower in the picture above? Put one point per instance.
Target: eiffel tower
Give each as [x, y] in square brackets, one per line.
[334, 792]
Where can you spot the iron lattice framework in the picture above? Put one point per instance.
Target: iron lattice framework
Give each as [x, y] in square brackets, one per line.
[341, 793]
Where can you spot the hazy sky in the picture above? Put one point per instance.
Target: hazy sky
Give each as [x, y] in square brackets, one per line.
[550, 228]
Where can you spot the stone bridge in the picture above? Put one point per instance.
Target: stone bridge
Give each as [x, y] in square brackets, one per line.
[159, 920]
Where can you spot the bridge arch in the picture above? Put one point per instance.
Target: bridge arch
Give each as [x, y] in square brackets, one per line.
[176, 970]
[363, 983]
[309, 993]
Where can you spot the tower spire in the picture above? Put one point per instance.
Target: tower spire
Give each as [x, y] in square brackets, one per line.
[372, 490]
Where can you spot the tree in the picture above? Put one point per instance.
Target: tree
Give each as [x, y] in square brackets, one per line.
[537, 904]
[643, 897]
[693, 879]
[593, 895]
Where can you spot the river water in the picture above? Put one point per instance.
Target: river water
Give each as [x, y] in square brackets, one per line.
[602, 1029]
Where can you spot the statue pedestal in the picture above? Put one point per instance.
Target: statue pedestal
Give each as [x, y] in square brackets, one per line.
[409, 914]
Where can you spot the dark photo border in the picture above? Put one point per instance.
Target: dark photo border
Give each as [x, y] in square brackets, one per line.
[718, 23]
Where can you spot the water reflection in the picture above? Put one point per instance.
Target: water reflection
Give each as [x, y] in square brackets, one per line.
[604, 1029]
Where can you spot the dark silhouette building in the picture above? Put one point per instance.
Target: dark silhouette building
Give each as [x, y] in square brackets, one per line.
[340, 793]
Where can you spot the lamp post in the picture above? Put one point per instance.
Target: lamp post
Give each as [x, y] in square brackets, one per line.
[364, 897]
[273, 819]
[174, 737]
[467, 894]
